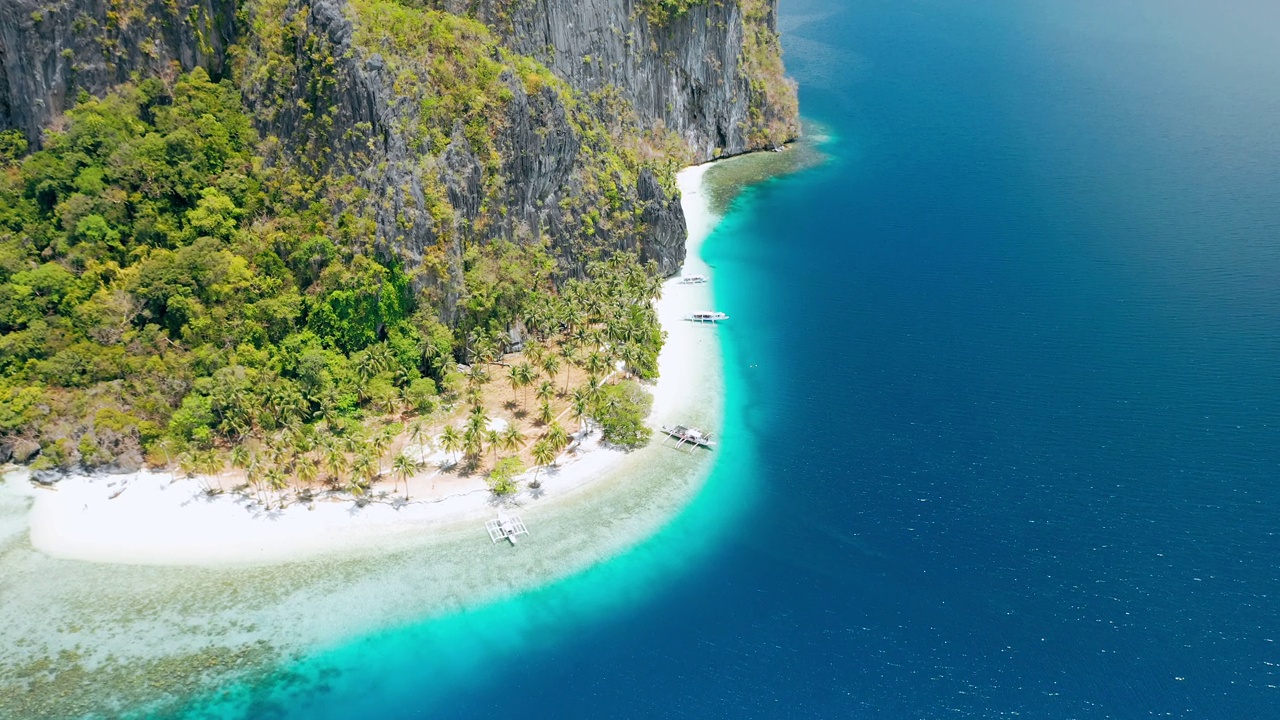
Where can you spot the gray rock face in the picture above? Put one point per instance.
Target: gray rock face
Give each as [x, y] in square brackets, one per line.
[358, 126]
[52, 49]
[335, 109]
[686, 74]
[24, 450]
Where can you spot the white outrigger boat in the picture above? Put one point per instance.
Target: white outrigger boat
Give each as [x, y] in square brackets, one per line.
[688, 436]
[506, 527]
[693, 279]
[706, 316]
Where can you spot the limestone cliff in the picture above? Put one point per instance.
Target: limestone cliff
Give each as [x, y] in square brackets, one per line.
[446, 123]
[711, 72]
[52, 50]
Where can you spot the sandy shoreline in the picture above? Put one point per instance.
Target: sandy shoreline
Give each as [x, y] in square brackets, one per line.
[158, 520]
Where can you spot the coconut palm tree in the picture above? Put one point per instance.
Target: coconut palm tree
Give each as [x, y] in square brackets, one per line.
[379, 443]
[417, 434]
[593, 388]
[545, 391]
[493, 438]
[558, 438]
[534, 352]
[305, 469]
[336, 460]
[241, 458]
[545, 413]
[477, 375]
[527, 376]
[543, 455]
[512, 439]
[276, 480]
[515, 377]
[188, 464]
[596, 364]
[363, 470]
[404, 467]
[473, 442]
[451, 440]
[569, 354]
[579, 404]
[550, 365]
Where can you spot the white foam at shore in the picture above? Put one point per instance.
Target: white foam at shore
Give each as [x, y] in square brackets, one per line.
[157, 520]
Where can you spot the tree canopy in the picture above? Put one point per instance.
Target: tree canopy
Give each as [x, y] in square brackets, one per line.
[166, 281]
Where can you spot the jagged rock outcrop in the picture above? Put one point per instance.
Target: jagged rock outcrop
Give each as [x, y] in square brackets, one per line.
[345, 90]
[51, 51]
[712, 74]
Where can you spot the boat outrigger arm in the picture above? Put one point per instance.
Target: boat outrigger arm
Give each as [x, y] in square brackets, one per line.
[506, 527]
[688, 436]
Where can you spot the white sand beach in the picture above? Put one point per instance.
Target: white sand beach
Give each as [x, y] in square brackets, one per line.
[150, 518]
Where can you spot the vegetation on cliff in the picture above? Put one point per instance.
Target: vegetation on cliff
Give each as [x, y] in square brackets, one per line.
[294, 259]
[165, 288]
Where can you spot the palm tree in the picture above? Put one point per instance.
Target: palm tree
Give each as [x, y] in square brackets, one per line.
[329, 411]
[550, 365]
[545, 414]
[336, 460]
[305, 470]
[569, 355]
[477, 375]
[379, 444]
[404, 466]
[494, 439]
[418, 431]
[275, 479]
[209, 465]
[515, 377]
[363, 470]
[473, 442]
[451, 440]
[188, 465]
[526, 375]
[512, 439]
[579, 405]
[543, 455]
[545, 391]
[629, 353]
[593, 388]
[558, 438]
[534, 352]
[596, 364]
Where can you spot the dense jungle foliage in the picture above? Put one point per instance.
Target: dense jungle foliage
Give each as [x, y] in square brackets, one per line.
[167, 285]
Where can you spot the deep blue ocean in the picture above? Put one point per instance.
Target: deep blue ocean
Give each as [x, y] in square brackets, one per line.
[1003, 386]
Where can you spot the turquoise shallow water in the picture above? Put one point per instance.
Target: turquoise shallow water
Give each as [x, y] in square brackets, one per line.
[1002, 406]
[419, 669]
[1004, 402]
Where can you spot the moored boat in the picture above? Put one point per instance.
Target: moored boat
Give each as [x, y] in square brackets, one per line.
[693, 279]
[706, 316]
[688, 435]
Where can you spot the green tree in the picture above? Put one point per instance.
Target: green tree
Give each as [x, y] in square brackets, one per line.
[404, 467]
[417, 436]
[512, 439]
[451, 440]
[502, 476]
[620, 411]
[543, 454]
[557, 437]
[305, 470]
[550, 365]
